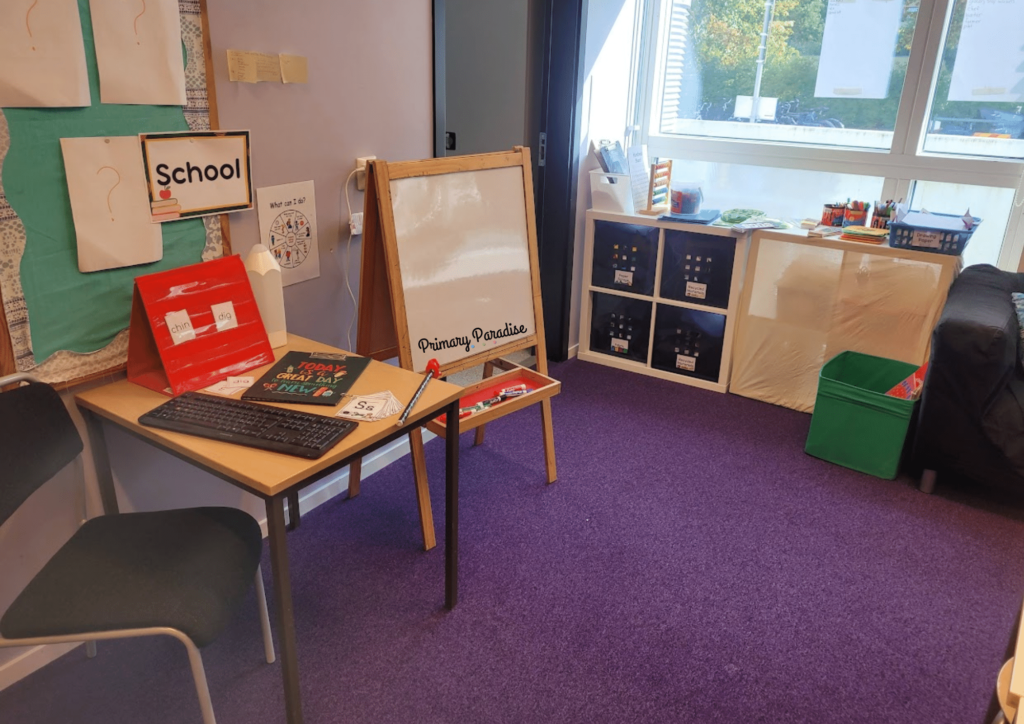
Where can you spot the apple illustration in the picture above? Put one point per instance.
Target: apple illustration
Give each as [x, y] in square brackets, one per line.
[165, 193]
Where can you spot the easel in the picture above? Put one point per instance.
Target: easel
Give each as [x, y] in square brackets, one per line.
[383, 330]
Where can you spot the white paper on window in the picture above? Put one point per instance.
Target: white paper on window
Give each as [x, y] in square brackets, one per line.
[989, 64]
[857, 48]
[42, 55]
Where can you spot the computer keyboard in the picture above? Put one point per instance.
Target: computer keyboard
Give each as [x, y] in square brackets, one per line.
[249, 423]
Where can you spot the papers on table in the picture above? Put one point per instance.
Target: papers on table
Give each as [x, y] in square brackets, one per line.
[231, 385]
[371, 407]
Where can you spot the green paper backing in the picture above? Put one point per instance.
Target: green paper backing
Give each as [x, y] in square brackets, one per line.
[69, 310]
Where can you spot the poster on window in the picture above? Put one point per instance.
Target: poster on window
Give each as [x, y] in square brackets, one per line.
[857, 48]
[989, 65]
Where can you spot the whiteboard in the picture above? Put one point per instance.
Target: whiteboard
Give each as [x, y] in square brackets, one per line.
[464, 260]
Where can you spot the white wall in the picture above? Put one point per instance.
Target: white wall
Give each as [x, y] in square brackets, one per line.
[369, 94]
[607, 52]
[485, 74]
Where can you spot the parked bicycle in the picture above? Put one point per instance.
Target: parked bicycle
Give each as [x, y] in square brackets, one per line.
[790, 114]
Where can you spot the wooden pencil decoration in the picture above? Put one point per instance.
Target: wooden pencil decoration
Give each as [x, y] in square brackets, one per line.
[657, 190]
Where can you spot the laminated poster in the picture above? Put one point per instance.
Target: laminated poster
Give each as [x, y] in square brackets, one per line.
[288, 228]
[42, 55]
[139, 51]
[197, 173]
[109, 204]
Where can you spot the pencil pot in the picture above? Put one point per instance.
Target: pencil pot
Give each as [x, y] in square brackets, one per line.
[855, 424]
[856, 216]
[880, 222]
[832, 215]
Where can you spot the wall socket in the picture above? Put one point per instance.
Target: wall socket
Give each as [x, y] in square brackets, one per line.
[355, 224]
[361, 171]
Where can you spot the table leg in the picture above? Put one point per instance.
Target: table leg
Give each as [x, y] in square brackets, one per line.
[355, 473]
[98, 448]
[294, 517]
[285, 614]
[451, 506]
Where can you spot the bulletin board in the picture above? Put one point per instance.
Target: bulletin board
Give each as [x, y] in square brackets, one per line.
[56, 322]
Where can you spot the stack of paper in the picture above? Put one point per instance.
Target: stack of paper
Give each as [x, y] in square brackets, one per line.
[864, 234]
[371, 407]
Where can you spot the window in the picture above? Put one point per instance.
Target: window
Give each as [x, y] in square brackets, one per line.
[921, 100]
[978, 107]
[819, 72]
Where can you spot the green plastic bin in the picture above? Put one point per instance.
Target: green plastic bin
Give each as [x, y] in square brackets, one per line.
[855, 424]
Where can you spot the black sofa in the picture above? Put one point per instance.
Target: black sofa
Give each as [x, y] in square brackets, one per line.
[971, 417]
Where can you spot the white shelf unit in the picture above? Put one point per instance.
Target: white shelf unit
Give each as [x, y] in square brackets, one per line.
[656, 360]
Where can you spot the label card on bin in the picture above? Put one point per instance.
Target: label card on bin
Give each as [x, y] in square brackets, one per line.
[195, 325]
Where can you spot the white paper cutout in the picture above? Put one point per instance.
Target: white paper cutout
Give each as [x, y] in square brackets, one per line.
[138, 51]
[180, 326]
[107, 187]
[42, 55]
[224, 316]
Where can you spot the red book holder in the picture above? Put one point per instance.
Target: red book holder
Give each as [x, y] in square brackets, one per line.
[194, 326]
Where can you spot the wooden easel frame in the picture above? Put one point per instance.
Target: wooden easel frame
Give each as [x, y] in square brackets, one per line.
[383, 330]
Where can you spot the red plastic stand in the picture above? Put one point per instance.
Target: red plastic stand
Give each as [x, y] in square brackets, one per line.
[214, 329]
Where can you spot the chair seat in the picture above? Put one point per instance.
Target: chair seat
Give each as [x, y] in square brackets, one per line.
[184, 569]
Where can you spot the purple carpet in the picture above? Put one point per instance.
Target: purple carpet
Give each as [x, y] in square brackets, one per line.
[691, 564]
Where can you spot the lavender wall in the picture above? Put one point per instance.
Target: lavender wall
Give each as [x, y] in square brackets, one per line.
[369, 94]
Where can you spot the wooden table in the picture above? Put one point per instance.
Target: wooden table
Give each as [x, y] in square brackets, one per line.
[275, 477]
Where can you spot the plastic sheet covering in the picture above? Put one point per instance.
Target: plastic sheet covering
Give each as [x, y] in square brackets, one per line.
[809, 303]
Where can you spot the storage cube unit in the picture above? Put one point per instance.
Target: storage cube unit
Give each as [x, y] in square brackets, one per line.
[697, 268]
[625, 256]
[673, 317]
[620, 327]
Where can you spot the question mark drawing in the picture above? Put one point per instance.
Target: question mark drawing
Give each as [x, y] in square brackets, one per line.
[109, 208]
[27, 13]
[136, 23]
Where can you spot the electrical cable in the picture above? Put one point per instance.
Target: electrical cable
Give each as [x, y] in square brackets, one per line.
[348, 264]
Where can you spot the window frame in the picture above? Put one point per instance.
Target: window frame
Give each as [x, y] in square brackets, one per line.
[903, 164]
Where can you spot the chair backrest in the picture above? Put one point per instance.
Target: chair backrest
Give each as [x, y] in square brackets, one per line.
[37, 439]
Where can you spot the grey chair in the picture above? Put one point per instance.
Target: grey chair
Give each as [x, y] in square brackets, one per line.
[180, 573]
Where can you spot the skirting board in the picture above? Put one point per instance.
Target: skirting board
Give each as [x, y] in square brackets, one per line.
[37, 657]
